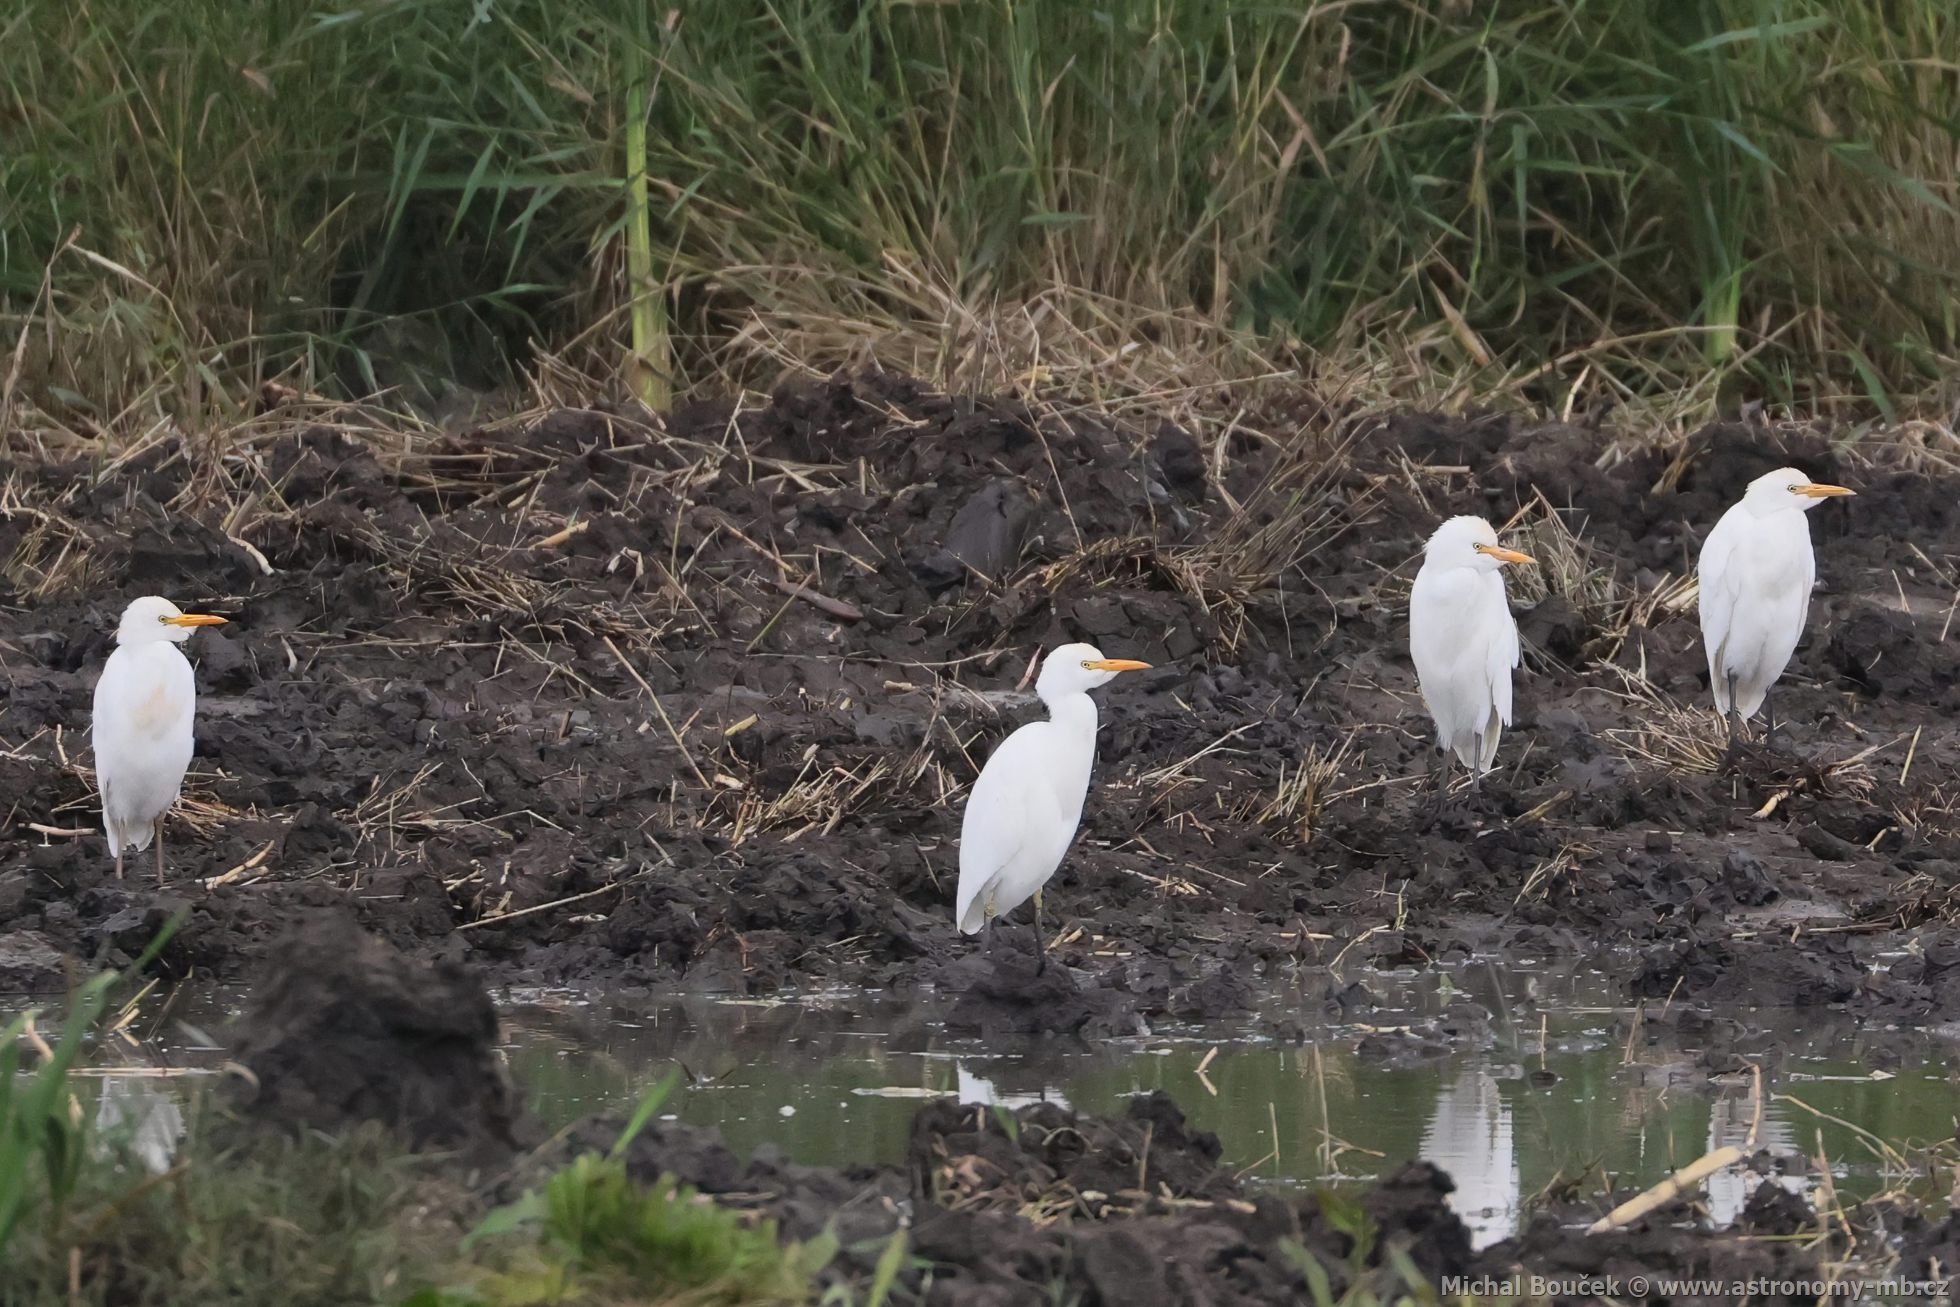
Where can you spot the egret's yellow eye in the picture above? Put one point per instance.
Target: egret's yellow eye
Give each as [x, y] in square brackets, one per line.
[1794, 489]
[163, 619]
[1086, 666]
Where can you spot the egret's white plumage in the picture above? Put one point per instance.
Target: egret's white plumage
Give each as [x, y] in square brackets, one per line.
[1027, 803]
[1463, 639]
[1755, 572]
[141, 728]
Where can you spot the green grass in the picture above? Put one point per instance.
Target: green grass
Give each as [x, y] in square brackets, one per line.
[329, 1221]
[592, 1235]
[1577, 201]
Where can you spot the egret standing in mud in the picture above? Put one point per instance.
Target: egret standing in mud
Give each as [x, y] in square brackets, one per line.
[1756, 571]
[1464, 641]
[1027, 803]
[141, 729]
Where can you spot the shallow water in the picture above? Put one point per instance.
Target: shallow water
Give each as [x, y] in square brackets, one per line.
[1547, 1083]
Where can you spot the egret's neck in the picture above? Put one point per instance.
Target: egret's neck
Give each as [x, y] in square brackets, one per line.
[1075, 712]
[1074, 718]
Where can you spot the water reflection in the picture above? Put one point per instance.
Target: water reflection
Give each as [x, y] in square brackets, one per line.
[1729, 1122]
[975, 1088]
[1470, 1135]
[134, 1113]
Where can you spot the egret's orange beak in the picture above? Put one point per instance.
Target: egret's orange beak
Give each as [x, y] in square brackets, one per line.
[1115, 665]
[1816, 490]
[1503, 555]
[195, 619]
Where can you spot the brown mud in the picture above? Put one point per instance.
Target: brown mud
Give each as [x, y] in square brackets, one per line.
[586, 701]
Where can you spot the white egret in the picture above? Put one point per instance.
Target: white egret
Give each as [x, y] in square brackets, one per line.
[1464, 640]
[1027, 803]
[141, 728]
[1756, 571]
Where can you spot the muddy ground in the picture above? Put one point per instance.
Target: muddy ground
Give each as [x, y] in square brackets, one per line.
[583, 700]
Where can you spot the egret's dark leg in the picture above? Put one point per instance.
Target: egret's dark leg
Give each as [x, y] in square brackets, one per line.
[1735, 723]
[1769, 721]
[1040, 941]
[1442, 778]
[1477, 767]
[158, 828]
[119, 858]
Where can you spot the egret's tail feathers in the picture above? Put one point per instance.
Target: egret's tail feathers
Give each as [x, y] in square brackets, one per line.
[1492, 733]
[128, 837]
[1750, 690]
[970, 913]
[1477, 750]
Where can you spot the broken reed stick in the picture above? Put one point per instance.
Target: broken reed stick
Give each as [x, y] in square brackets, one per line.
[559, 537]
[837, 608]
[665, 720]
[250, 864]
[1693, 1173]
[538, 907]
[1669, 1189]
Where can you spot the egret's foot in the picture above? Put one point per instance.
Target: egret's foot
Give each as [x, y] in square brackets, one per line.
[1432, 812]
[1734, 758]
[1732, 755]
[1438, 785]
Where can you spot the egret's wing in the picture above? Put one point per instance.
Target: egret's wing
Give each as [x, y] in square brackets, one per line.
[1719, 583]
[1501, 655]
[996, 828]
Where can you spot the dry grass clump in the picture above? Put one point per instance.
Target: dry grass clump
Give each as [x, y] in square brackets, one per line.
[1672, 737]
[816, 801]
[1299, 798]
[50, 554]
[1567, 565]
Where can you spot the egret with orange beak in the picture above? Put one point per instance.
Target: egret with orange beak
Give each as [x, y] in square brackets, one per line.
[141, 729]
[1464, 641]
[1756, 572]
[1026, 805]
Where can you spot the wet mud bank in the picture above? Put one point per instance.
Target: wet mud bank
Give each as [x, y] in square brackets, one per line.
[584, 700]
[1035, 1204]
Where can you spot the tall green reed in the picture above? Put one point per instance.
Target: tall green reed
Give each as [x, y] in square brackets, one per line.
[1645, 192]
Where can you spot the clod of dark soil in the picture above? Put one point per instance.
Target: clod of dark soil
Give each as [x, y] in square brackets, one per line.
[1820, 970]
[1665, 1247]
[963, 1156]
[29, 964]
[345, 1030]
[1002, 991]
